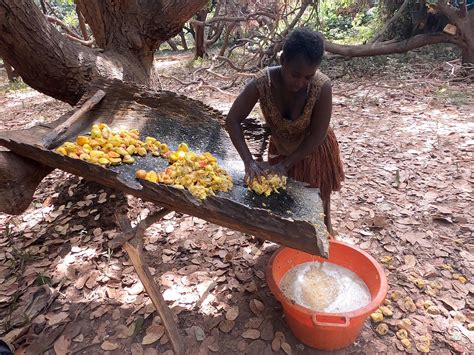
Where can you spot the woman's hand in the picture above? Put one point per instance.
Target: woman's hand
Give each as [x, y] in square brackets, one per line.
[254, 170]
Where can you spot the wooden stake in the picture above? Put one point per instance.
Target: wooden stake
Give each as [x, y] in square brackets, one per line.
[132, 240]
[154, 293]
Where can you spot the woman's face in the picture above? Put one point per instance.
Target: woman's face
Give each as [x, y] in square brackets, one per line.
[297, 73]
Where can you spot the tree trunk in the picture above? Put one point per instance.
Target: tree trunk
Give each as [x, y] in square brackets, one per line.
[19, 178]
[199, 39]
[228, 30]
[395, 17]
[468, 54]
[183, 40]
[172, 45]
[466, 28]
[127, 31]
[11, 74]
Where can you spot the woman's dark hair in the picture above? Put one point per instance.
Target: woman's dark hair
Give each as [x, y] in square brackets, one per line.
[306, 43]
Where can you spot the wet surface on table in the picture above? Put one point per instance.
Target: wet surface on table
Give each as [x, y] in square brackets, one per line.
[204, 134]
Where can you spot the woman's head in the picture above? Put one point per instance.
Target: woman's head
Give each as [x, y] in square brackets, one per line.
[302, 54]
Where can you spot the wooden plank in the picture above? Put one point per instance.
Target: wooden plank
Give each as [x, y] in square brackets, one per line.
[55, 136]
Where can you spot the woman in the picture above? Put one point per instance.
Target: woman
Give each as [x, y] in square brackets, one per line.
[296, 102]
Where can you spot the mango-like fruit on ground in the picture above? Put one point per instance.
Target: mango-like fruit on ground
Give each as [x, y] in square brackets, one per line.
[382, 329]
[377, 316]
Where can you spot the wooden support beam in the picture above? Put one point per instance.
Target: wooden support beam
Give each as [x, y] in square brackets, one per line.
[129, 233]
[134, 248]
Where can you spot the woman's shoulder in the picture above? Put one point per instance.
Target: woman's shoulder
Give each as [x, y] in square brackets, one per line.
[320, 78]
[266, 73]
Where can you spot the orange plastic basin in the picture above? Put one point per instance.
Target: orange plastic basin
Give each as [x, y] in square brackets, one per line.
[328, 331]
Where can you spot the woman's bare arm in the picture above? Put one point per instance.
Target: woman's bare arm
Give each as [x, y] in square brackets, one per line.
[240, 109]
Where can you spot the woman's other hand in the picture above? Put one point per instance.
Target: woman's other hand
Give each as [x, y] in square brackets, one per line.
[278, 169]
[254, 170]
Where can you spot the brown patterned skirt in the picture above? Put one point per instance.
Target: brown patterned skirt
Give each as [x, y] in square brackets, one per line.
[322, 169]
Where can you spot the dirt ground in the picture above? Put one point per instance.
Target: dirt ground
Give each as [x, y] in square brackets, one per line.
[406, 134]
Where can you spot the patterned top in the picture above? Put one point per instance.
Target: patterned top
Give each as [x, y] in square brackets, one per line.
[287, 135]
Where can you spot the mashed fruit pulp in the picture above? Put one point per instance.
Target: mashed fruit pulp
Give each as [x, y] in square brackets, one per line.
[325, 287]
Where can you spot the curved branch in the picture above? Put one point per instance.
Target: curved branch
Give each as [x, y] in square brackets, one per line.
[61, 24]
[232, 19]
[69, 34]
[270, 54]
[395, 17]
[232, 77]
[232, 65]
[301, 11]
[382, 48]
[215, 37]
[184, 83]
[88, 43]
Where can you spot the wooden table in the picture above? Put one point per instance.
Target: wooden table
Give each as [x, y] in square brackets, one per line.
[293, 218]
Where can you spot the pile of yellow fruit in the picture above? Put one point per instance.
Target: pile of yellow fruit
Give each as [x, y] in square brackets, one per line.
[267, 184]
[198, 173]
[105, 146]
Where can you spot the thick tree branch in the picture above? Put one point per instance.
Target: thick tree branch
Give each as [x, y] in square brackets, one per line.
[452, 13]
[381, 48]
[143, 25]
[82, 23]
[231, 64]
[232, 19]
[43, 8]
[135, 29]
[45, 59]
[128, 31]
[463, 8]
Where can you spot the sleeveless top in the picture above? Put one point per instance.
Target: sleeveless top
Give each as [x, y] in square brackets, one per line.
[287, 135]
